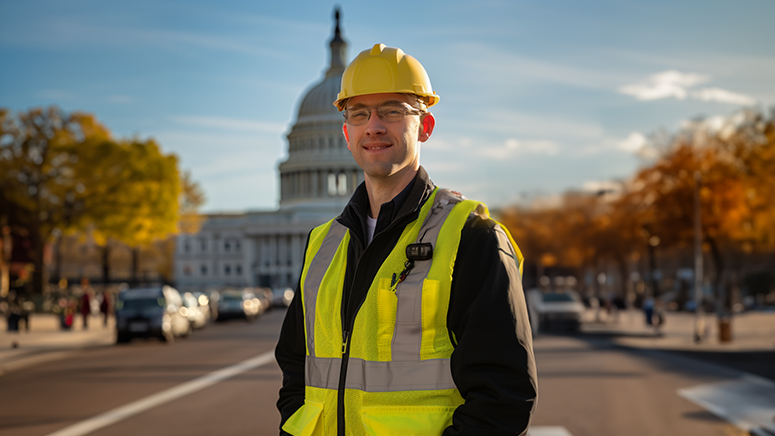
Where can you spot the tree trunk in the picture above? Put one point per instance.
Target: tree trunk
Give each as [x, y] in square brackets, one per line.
[58, 259]
[652, 273]
[5, 258]
[135, 265]
[624, 271]
[106, 263]
[38, 258]
[718, 278]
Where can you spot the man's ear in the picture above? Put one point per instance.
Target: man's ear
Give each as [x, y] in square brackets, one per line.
[346, 135]
[426, 129]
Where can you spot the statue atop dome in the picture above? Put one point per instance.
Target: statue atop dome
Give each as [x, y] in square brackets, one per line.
[338, 48]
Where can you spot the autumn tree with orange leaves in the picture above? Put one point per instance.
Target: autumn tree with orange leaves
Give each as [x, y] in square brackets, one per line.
[735, 159]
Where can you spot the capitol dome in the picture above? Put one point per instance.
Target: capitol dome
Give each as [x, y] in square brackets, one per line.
[320, 170]
[318, 101]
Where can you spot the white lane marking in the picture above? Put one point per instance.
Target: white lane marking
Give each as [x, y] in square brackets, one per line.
[173, 393]
[748, 403]
[548, 430]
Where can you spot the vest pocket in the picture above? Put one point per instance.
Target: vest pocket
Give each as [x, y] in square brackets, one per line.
[306, 420]
[387, 304]
[407, 420]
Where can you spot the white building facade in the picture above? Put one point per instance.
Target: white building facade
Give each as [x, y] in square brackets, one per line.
[266, 248]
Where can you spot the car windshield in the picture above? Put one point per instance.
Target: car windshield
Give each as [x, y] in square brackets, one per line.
[231, 297]
[557, 297]
[140, 303]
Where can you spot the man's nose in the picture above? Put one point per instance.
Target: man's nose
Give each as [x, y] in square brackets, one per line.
[374, 125]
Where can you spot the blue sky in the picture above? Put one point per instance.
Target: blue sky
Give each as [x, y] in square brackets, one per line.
[536, 97]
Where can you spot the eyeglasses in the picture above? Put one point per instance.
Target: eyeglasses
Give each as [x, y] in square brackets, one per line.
[390, 113]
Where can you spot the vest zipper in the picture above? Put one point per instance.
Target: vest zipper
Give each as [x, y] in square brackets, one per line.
[342, 380]
[347, 326]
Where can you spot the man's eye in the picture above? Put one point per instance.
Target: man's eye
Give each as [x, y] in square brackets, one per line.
[359, 115]
[392, 113]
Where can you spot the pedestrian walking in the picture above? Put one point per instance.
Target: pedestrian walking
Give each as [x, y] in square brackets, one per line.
[106, 307]
[14, 312]
[86, 303]
[409, 316]
[648, 310]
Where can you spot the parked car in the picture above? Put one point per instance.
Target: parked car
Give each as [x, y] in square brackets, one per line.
[555, 310]
[233, 303]
[151, 312]
[197, 314]
[282, 297]
[265, 295]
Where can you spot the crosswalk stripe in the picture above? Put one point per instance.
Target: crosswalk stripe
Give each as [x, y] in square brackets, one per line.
[548, 430]
[173, 393]
[748, 402]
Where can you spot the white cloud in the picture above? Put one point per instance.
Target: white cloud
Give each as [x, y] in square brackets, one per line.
[634, 142]
[723, 96]
[664, 85]
[231, 124]
[497, 66]
[540, 146]
[602, 186]
[462, 151]
[674, 84]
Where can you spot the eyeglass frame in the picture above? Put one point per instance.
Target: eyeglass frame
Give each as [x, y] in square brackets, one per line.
[408, 110]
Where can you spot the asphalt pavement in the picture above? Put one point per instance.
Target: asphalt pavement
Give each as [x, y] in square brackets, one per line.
[751, 350]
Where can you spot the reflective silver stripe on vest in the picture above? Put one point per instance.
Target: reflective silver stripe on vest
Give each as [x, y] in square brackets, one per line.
[317, 270]
[407, 336]
[322, 372]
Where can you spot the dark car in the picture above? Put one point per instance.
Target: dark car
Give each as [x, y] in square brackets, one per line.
[150, 312]
[234, 303]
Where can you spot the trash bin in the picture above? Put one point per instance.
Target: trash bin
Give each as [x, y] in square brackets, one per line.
[725, 329]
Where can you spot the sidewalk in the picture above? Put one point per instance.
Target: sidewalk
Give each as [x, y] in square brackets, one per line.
[45, 341]
[751, 331]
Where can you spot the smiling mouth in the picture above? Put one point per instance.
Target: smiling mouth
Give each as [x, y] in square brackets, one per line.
[376, 147]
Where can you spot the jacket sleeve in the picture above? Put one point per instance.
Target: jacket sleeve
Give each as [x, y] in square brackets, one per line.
[290, 353]
[493, 364]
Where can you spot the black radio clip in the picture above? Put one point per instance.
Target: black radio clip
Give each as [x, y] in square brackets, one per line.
[419, 251]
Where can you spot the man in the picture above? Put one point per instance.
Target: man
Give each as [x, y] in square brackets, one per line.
[409, 317]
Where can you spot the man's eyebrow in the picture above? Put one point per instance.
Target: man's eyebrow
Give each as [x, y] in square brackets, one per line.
[387, 103]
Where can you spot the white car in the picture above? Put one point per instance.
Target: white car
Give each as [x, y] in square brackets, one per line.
[555, 310]
[197, 314]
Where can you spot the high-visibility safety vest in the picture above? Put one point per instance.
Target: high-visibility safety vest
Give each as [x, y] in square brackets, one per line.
[397, 358]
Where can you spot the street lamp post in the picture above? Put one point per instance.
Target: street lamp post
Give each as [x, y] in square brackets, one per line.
[699, 316]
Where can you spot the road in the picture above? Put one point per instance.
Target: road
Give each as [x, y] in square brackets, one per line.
[588, 387]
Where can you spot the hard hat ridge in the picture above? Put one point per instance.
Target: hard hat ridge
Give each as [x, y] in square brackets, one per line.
[384, 69]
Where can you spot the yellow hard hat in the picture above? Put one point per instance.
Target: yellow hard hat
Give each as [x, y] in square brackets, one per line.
[385, 69]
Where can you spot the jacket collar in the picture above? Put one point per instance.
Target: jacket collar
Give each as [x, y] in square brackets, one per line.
[406, 203]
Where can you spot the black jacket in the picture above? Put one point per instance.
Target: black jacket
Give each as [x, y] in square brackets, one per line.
[492, 364]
